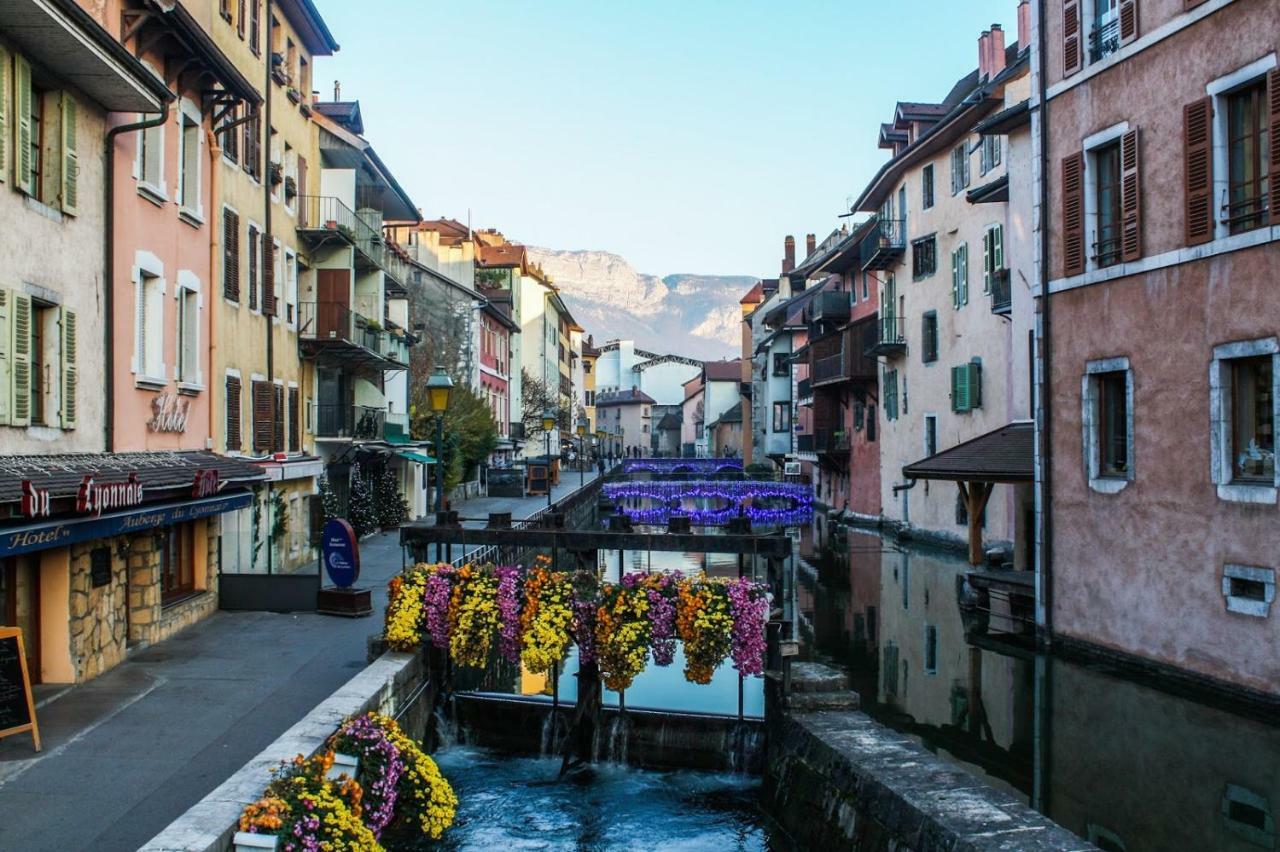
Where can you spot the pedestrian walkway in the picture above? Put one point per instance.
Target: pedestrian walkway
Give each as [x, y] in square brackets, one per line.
[128, 752]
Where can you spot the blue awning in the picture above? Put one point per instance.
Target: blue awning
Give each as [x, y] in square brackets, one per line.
[420, 458]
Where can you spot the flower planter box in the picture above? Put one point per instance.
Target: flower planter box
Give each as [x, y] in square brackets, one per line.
[247, 841]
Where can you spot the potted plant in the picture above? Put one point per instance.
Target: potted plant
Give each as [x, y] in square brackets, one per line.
[276, 172]
[290, 186]
[294, 94]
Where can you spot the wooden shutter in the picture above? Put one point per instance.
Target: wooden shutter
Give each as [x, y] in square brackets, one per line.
[974, 372]
[240, 18]
[986, 261]
[960, 390]
[955, 279]
[6, 355]
[1072, 38]
[70, 370]
[262, 421]
[255, 244]
[4, 119]
[302, 168]
[24, 169]
[70, 156]
[231, 254]
[277, 420]
[20, 353]
[1198, 177]
[1273, 152]
[1128, 20]
[964, 274]
[1130, 198]
[295, 425]
[1073, 214]
[268, 277]
[234, 441]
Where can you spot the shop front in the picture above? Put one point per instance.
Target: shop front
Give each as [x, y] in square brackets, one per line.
[102, 554]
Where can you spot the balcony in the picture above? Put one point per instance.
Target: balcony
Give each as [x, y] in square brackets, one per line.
[517, 431]
[1002, 292]
[323, 218]
[350, 422]
[566, 386]
[831, 442]
[884, 244]
[889, 338]
[1104, 40]
[332, 333]
[804, 445]
[804, 389]
[828, 308]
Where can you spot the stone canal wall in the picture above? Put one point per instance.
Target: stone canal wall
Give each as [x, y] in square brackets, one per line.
[391, 685]
[839, 780]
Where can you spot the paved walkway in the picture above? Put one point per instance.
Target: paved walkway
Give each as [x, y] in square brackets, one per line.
[128, 752]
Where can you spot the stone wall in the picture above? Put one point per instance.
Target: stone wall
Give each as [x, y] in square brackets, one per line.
[98, 617]
[150, 621]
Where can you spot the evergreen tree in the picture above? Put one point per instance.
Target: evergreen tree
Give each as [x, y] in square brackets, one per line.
[392, 508]
[362, 513]
[329, 499]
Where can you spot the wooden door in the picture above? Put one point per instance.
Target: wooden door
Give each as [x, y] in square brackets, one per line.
[333, 304]
[20, 605]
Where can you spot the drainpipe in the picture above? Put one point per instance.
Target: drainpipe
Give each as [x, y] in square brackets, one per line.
[269, 237]
[906, 504]
[108, 302]
[215, 246]
[1046, 349]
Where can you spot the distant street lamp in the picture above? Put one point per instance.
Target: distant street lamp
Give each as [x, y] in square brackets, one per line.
[439, 389]
[600, 436]
[582, 451]
[548, 423]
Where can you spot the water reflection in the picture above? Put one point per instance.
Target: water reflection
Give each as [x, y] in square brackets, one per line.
[1121, 764]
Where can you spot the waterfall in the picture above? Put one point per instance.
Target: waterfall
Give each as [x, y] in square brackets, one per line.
[612, 744]
[745, 743]
[446, 730]
[549, 742]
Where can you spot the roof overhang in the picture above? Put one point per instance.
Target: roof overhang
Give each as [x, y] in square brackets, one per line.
[1006, 455]
[1005, 121]
[59, 35]
[311, 27]
[997, 190]
[342, 149]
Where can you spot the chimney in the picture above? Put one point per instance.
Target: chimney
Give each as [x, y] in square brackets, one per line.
[984, 41]
[996, 63]
[788, 254]
[810, 244]
[1024, 25]
[337, 90]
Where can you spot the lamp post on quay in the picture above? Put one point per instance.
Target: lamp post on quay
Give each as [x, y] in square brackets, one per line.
[439, 389]
[582, 452]
[548, 423]
[600, 435]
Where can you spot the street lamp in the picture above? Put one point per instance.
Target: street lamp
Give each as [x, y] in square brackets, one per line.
[600, 435]
[439, 389]
[548, 423]
[582, 451]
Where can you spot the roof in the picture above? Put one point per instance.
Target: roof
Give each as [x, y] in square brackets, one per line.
[692, 388]
[311, 27]
[670, 421]
[505, 256]
[61, 475]
[723, 371]
[346, 113]
[791, 312]
[1005, 120]
[733, 415]
[996, 190]
[754, 295]
[1005, 455]
[626, 397]
[344, 149]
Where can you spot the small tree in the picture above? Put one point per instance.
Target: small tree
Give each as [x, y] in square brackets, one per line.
[329, 499]
[536, 397]
[470, 434]
[392, 508]
[362, 513]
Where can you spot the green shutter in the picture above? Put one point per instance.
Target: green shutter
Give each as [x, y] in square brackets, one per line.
[70, 369]
[5, 301]
[70, 156]
[986, 261]
[997, 248]
[20, 353]
[974, 373]
[4, 121]
[964, 275]
[24, 169]
[960, 389]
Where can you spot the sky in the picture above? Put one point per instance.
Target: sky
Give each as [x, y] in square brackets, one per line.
[688, 136]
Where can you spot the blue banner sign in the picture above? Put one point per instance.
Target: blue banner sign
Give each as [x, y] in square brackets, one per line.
[341, 552]
[54, 533]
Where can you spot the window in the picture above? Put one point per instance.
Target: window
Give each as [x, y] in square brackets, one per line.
[224, 9]
[1106, 246]
[1107, 419]
[926, 187]
[1113, 432]
[188, 299]
[1248, 590]
[189, 158]
[177, 575]
[930, 649]
[1104, 39]
[148, 358]
[990, 152]
[255, 265]
[966, 387]
[890, 394]
[251, 160]
[930, 435]
[230, 139]
[871, 423]
[32, 152]
[859, 416]
[924, 257]
[290, 287]
[255, 27]
[149, 166]
[234, 442]
[929, 337]
[42, 328]
[1247, 158]
[241, 17]
[1253, 440]
[960, 276]
[992, 256]
[782, 417]
[959, 169]
[781, 364]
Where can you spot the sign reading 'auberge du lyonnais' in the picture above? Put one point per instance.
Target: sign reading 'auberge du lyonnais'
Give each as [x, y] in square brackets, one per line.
[340, 552]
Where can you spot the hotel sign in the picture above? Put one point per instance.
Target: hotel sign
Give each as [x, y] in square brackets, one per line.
[35, 501]
[93, 496]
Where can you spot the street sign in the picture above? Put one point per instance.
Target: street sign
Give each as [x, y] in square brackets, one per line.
[340, 552]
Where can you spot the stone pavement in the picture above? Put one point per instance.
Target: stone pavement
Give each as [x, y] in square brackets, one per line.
[128, 752]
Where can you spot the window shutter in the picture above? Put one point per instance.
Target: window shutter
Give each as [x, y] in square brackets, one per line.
[1273, 154]
[986, 261]
[4, 122]
[295, 426]
[1128, 20]
[20, 369]
[70, 369]
[997, 249]
[960, 390]
[974, 372]
[955, 280]
[24, 169]
[302, 174]
[964, 274]
[1198, 177]
[1072, 43]
[254, 245]
[277, 420]
[955, 389]
[268, 277]
[1130, 198]
[1073, 214]
[231, 254]
[70, 156]
[262, 421]
[233, 414]
[5, 355]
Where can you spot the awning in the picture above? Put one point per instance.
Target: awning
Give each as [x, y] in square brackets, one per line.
[420, 458]
[1005, 455]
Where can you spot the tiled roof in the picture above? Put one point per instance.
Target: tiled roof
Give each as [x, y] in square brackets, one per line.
[501, 256]
[1005, 455]
[669, 422]
[733, 415]
[346, 113]
[61, 475]
[723, 371]
[626, 397]
[754, 295]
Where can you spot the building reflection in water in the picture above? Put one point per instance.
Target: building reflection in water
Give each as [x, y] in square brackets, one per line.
[1125, 765]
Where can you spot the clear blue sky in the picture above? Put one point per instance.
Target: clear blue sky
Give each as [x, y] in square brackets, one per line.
[686, 135]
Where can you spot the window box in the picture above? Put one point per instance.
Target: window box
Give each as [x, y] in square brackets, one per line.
[275, 172]
[1248, 590]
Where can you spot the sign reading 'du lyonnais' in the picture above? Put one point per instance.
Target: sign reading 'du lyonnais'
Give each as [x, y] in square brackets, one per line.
[206, 483]
[35, 501]
[341, 553]
[93, 496]
[41, 536]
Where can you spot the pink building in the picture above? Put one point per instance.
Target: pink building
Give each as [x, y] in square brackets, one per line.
[496, 328]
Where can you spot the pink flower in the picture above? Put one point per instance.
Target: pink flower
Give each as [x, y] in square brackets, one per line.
[749, 604]
[509, 612]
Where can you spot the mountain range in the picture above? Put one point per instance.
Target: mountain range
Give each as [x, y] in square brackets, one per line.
[697, 316]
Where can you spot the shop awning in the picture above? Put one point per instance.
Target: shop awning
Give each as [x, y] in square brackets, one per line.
[1005, 455]
[420, 458]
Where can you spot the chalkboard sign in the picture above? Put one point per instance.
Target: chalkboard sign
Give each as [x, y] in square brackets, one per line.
[100, 566]
[538, 479]
[17, 710]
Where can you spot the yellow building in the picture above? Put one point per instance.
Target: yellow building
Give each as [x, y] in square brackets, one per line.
[266, 178]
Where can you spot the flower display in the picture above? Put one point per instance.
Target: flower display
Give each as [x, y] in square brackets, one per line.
[660, 589]
[436, 594]
[705, 626]
[749, 604]
[404, 611]
[508, 593]
[425, 801]
[622, 632]
[547, 617]
[322, 814]
[473, 616]
[380, 766]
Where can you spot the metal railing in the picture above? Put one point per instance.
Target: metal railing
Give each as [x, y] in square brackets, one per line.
[883, 244]
[890, 335]
[327, 214]
[834, 441]
[830, 368]
[1104, 40]
[804, 388]
[1245, 214]
[1107, 245]
[831, 306]
[343, 420]
[1001, 292]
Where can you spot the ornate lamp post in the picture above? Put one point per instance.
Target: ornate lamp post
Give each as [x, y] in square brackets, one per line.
[439, 389]
[582, 451]
[600, 435]
[548, 423]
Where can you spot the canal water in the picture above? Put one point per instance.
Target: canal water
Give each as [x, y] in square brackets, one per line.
[509, 802]
[1124, 765]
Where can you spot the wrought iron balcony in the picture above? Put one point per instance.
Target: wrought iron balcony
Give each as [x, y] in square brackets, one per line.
[890, 338]
[1002, 292]
[884, 244]
[1104, 40]
[333, 333]
[831, 442]
[322, 218]
[829, 308]
[355, 422]
[804, 444]
[804, 389]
